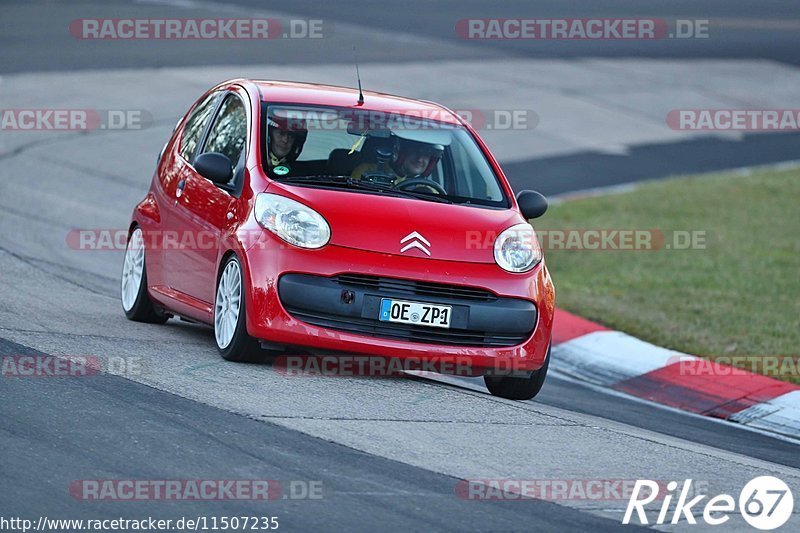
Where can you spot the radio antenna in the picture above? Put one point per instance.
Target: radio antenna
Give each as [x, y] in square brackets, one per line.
[358, 76]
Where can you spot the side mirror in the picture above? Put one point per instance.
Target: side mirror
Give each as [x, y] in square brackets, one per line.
[532, 204]
[214, 166]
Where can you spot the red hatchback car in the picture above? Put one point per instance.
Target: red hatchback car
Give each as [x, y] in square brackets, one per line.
[316, 218]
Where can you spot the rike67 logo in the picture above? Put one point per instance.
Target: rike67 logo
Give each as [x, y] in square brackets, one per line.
[765, 503]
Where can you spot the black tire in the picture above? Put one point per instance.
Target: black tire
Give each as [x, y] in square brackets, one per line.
[518, 388]
[143, 309]
[242, 348]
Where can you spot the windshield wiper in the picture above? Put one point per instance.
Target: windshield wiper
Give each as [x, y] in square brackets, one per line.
[321, 179]
[420, 195]
[350, 182]
[340, 181]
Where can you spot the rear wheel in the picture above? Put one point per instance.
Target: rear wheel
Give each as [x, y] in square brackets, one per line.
[135, 301]
[230, 324]
[518, 388]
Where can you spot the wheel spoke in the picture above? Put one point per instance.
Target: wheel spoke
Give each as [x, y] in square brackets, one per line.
[222, 326]
[231, 324]
[228, 279]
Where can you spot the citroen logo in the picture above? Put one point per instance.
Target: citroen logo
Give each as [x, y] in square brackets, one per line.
[415, 240]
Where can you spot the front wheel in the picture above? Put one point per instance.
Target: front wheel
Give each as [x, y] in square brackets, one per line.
[135, 301]
[230, 324]
[518, 388]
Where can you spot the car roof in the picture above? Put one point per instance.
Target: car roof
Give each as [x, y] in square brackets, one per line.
[331, 95]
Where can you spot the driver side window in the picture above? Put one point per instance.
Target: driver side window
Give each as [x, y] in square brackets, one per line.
[195, 125]
[228, 133]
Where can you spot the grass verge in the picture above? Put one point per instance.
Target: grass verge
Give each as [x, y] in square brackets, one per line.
[738, 294]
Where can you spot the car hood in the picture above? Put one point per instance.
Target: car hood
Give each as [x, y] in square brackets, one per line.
[405, 226]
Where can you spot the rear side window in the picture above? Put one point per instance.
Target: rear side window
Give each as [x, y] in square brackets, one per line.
[195, 125]
[228, 134]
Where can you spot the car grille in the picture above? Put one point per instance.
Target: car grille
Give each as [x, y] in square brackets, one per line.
[407, 332]
[414, 288]
[317, 300]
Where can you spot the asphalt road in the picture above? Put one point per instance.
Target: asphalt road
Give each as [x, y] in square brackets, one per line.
[59, 431]
[737, 29]
[388, 453]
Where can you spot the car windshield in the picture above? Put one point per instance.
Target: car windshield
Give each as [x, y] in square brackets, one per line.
[377, 153]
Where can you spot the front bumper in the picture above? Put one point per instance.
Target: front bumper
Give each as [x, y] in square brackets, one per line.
[351, 303]
[500, 320]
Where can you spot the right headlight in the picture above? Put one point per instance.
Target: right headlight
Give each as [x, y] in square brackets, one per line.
[517, 249]
[292, 221]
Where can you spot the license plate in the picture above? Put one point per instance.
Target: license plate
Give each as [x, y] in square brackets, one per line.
[416, 313]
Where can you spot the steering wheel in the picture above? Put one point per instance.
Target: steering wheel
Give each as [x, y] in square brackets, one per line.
[405, 185]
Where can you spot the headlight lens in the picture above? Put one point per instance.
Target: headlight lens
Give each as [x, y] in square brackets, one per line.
[292, 221]
[517, 249]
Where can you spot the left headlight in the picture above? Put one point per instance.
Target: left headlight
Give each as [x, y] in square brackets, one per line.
[292, 221]
[517, 249]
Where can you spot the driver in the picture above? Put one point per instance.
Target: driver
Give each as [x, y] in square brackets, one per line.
[410, 160]
[285, 140]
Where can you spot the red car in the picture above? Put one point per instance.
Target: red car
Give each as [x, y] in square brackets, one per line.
[296, 216]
